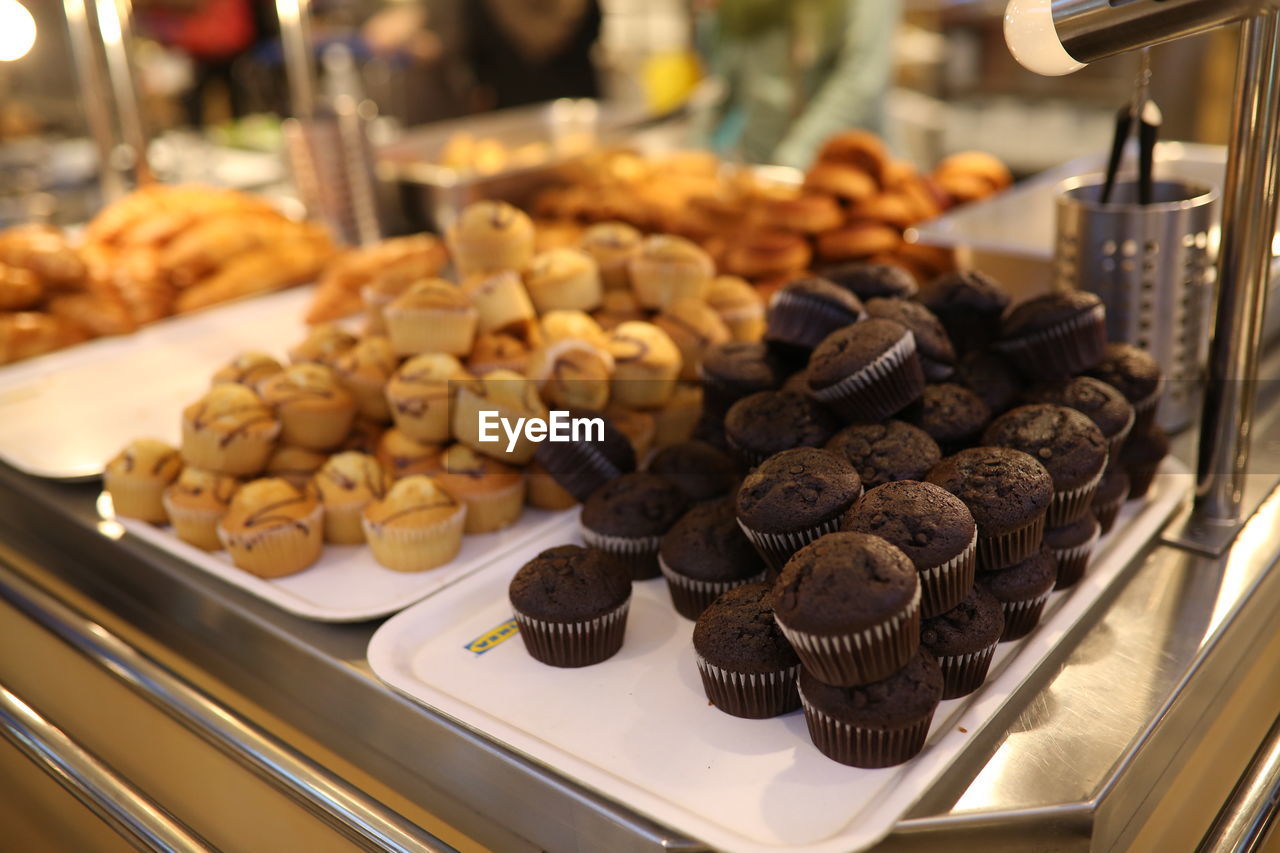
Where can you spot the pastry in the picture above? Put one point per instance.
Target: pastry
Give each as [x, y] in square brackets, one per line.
[403, 456]
[378, 270]
[573, 372]
[768, 422]
[1101, 403]
[543, 490]
[964, 640]
[969, 304]
[627, 517]
[762, 254]
[1055, 336]
[272, 528]
[230, 430]
[499, 351]
[693, 326]
[314, 408]
[1136, 374]
[137, 477]
[248, 368]
[1141, 457]
[951, 414]
[933, 347]
[364, 370]
[493, 492]
[419, 394]
[738, 305]
[346, 484]
[1022, 590]
[847, 183]
[703, 472]
[704, 555]
[431, 316]
[582, 465]
[501, 300]
[417, 526]
[295, 464]
[196, 502]
[860, 149]
[618, 307]
[867, 371]
[989, 375]
[1112, 492]
[1072, 545]
[667, 268]
[886, 452]
[612, 245]
[646, 365]
[857, 241]
[747, 667]
[808, 213]
[563, 279]
[678, 417]
[735, 370]
[867, 280]
[490, 235]
[571, 605]
[808, 309]
[323, 344]
[489, 413]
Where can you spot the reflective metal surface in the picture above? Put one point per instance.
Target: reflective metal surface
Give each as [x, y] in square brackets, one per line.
[1250, 814]
[1093, 29]
[113, 799]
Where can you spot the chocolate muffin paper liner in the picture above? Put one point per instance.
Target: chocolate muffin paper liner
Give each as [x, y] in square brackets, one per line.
[1007, 549]
[777, 548]
[1144, 411]
[1140, 477]
[637, 554]
[579, 468]
[1062, 350]
[862, 747]
[884, 387]
[749, 458]
[1106, 513]
[1116, 442]
[944, 586]
[753, 695]
[416, 549]
[1072, 562]
[1069, 506]
[848, 660]
[963, 674]
[1021, 616]
[279, 550]
[572, 644]
[691, 596]
[792, 320]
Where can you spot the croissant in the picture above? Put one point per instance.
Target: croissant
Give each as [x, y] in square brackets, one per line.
[99, 313]
[270, 268]
[404, 258]
[207, 244]
[27, 333]
[43, 250]
[19, 288]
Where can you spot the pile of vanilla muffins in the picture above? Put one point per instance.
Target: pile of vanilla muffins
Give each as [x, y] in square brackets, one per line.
[855, 204]
[376, 437]
[889, 484]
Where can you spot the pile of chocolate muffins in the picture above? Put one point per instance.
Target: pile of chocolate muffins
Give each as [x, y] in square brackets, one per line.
[886, 487]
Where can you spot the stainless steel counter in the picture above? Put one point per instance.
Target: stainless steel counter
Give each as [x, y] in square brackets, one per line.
[1132, 738]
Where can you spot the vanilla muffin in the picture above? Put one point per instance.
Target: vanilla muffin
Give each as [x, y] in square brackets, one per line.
[493, 492]
[543, 491]
[272, 528]
[739, 306]
[510, 397]
[618, 307]
[694, 327]
[577, 325]
[364, 370]
[315, 409]
[431, 316]
[295, 464]
[499, 351]
[567, 279]
[138, 476]
[376, 296]
[572, 367]
[322, 345]
[676, 421]
[417, 526]
[646, 365]
[248, 368]
[196, 502]
[419, 394]
[490, 235]
[612, 245]
[346, 484]
[667, 268]
[402, 456]
[500, 299]
[639, 427]
[229, 430]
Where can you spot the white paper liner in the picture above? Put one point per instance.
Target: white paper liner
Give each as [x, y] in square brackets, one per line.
[1106, 513]
[809, 322]
[945, 585]
[882, 388]
[1071, 505]
[849, 660]
[777, 548]
[753, 695]
[691, 596]
[416, 549]
[573, 644]
[1073, 561]
[1061, 350]
[1002, 550]
[273, 552]
[1021, 616]
[639, 554]
[963, 674]
[1116, 442]
[860, 747]
[591, 469]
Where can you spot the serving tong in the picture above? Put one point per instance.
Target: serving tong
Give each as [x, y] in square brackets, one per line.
[1145, 113]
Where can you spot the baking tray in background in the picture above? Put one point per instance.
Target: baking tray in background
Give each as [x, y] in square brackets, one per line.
[637, 728]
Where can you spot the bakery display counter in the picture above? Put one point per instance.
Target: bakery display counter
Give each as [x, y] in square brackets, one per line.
[1133, 735]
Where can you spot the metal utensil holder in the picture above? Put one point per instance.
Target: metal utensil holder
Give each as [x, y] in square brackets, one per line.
[1153, 267]
[331, 162]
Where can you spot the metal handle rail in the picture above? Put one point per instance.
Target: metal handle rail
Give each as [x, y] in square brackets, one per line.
[1249, 814]
[118, 803]
[358, 817]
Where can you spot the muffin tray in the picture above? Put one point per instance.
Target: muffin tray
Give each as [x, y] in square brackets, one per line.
[63, 415]
[638, 728]
[346, 584]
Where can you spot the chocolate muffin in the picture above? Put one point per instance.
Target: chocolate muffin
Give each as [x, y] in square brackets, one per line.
[710, 429]
[951, 414]
[1141, 458]
[581, 467]
[1008, 493]
[748, 668]
[1056, 335]
[969, 304]
[849, 604]
[627, 518]
[964, 640]
[737, 369]
[990, 376]
[1102, 403]
[793, 498]
[882, 453]
[571, 605]
[937, 355]
[1112, 492]
[1068, 444]
[932, 527]
[806, 310]
[867, 371]
[706, 554]
[1072, 546]
[703, 472]
[1135, 374]
[1022, 590]
[772, 421]
[873, 281]
[874, 725]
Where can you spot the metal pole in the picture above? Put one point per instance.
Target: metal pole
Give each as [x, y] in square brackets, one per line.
[1248, 226]
[115, 24]
[94, 97]
[295, 35]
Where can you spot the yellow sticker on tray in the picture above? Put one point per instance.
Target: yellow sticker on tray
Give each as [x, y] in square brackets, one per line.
[497, 636]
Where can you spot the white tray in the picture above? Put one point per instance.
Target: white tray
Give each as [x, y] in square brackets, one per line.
[347, 584]
[64, 415]
[638, 729]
